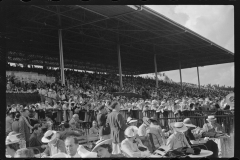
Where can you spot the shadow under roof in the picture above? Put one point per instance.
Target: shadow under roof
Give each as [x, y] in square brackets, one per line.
[90, 37]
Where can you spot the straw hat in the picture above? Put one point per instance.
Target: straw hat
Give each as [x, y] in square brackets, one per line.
[11, 139]
[49, 136]
[211, 118]
[131, 120]
[107, 141]
[146, 121]
[180, 127]
[85, 153]
[131, 131]
[187, 122]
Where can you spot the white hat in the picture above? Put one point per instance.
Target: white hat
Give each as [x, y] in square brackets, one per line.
[180, 127]
[187, 122]
[131, 120]
[211, 118]
[85, 153]
[49, 136]
[107, 141]
[131, 131]
[12, 139]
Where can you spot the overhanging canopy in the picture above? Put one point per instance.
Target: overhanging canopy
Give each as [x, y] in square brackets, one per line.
[91, 33]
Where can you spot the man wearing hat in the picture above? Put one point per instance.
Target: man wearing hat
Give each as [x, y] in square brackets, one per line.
[24, 125]
[55, 145]
[178, 139]
[156, 131]
[34, 140]
[15, 124]
[9, 121]
[104, 129]
[117, 125]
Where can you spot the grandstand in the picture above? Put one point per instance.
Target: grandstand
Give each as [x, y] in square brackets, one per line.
[100, 46]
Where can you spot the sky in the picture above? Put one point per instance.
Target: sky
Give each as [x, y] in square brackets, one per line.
[214, 22]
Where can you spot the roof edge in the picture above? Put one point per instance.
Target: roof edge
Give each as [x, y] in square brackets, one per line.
[182, 27]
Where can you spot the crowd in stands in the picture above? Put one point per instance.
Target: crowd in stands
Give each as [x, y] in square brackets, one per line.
[33, 124]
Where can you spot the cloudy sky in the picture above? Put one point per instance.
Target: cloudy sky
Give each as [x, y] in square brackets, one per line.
[214, 22]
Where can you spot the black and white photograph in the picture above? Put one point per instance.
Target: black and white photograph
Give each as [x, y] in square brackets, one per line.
[119, 81]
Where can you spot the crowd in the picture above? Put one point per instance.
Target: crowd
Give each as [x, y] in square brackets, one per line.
[31, 125]
[116, 137]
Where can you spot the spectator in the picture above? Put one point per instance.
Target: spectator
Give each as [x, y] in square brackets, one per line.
[9, 121]
[34, 139]
[129, 146]
[94, 130]
[104, 149]
[12, 144]
[24, 125]
[24, 153]
[117, 126]
[74, 122]
[209, 145]
[67, 131]
[104, 129]
[71, 144]
[156, 132]
[15, 124]
[55, 145]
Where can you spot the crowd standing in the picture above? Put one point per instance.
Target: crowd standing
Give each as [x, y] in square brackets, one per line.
[33, 123]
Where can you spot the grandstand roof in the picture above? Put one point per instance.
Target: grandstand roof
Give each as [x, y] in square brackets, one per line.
[90, 36]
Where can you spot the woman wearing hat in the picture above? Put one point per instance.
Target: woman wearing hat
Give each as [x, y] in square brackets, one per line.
[12, 144]
[130, 146]
[212, 126]
[104, 149]
[178, 139]
[55, 145]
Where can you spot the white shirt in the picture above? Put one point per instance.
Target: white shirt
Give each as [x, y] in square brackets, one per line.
[75, 156]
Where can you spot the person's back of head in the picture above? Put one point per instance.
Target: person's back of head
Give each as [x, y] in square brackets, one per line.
[24, 153]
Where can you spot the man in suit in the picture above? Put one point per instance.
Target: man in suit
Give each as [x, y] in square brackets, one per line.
[24, 125]
[34, 140]
[118, 126]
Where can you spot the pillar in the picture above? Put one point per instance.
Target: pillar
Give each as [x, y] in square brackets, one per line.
[155, 65]
[198, 78]
[119, 67]
[180, 73]
[61, 57]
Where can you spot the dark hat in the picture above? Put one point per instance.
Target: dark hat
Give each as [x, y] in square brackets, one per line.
[17, 116]
[36, 126]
